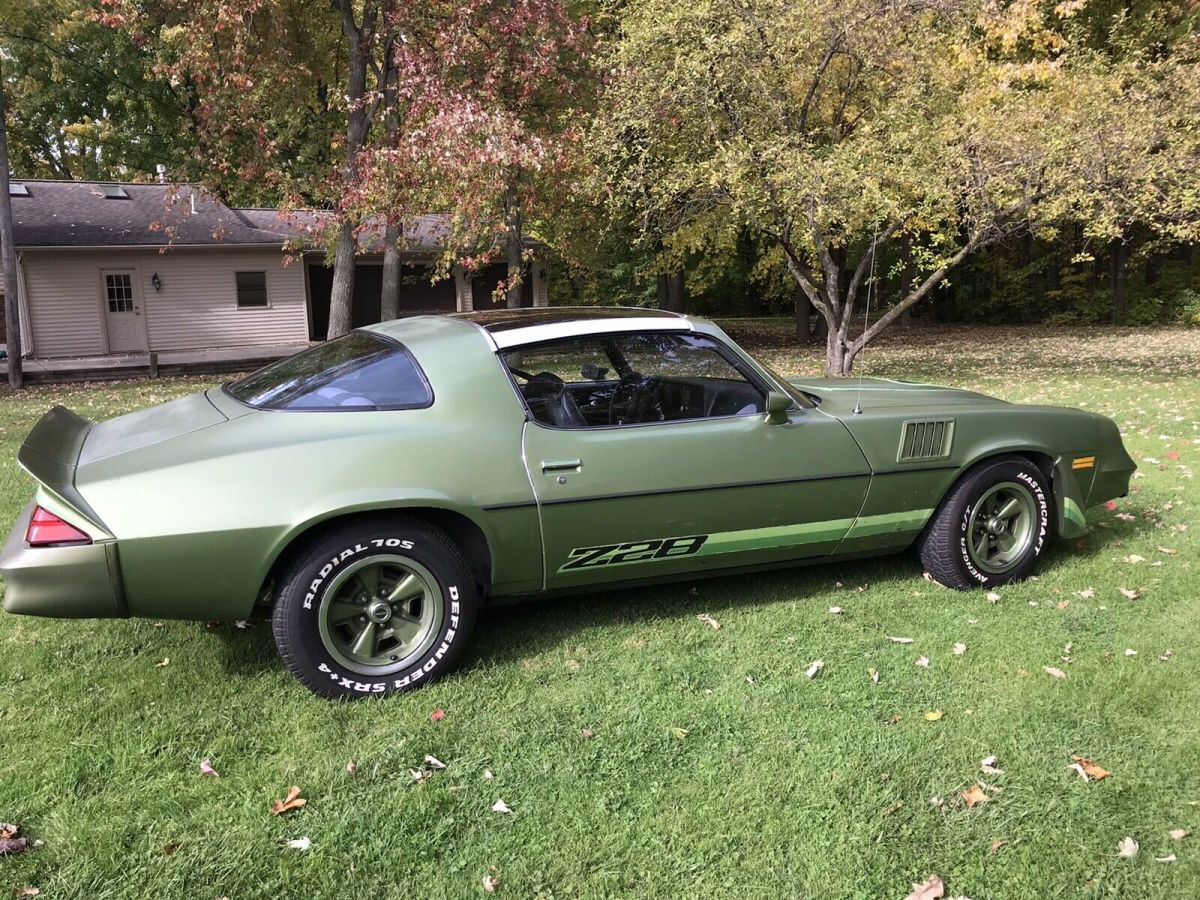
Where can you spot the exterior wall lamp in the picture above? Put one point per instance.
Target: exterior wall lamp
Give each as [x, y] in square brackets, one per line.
[157, 282]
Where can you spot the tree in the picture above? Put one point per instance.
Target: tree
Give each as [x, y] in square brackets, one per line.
[838, 129]
[491, 93]
[8, 254]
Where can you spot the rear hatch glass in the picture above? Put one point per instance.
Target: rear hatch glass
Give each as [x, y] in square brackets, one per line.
[361, 371]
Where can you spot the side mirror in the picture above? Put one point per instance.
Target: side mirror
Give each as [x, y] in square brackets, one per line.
[778, 405]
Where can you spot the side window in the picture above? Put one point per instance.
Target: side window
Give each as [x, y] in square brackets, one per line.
[632, 379]
[251, 289]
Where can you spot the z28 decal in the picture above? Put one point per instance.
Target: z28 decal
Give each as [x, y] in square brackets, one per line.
[633, 552]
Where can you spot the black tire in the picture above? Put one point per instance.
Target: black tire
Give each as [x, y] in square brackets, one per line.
[949, 545]
[311, 647]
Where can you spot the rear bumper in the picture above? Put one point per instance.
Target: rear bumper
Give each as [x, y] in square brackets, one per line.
[78, 582]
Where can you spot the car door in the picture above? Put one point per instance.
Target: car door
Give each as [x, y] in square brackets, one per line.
[638, 500]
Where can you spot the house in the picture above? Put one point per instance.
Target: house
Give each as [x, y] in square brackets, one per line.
[108, 268]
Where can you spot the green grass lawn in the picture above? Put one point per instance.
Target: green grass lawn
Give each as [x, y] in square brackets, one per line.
[716, 768]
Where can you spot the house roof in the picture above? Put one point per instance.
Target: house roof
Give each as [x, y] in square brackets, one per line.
[109, 214]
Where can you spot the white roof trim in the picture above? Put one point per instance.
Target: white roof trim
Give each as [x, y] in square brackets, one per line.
[536, 334]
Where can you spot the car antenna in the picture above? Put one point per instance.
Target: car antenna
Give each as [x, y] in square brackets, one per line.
[866, 319]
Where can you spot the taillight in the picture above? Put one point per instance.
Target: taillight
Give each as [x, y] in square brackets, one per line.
[47, 528]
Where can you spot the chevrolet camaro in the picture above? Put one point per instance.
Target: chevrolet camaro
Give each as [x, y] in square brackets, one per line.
[370, 493]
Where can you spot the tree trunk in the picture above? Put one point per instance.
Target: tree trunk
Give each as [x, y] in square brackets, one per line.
[389, 297]
[1119, 260]
[358, 121]
[8, 261]
[660, 292]
[676, 292]
[341, 295]
[804, 331]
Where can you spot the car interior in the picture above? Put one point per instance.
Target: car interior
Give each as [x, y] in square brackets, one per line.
[648, 378]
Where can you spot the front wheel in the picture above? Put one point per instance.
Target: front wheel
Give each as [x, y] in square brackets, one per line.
[374, 609]
[991, 528]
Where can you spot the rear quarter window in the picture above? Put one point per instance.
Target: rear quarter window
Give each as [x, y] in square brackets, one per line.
[361, 371]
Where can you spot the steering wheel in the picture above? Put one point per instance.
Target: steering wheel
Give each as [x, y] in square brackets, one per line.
[635, 398]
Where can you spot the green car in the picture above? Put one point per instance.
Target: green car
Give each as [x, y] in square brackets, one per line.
[371, 493]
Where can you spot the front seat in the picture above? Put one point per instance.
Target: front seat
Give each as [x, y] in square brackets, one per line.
[551, 402]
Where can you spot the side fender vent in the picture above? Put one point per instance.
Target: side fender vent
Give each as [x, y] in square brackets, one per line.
[926, 439]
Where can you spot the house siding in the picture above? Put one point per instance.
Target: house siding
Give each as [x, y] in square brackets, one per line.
[196, 308]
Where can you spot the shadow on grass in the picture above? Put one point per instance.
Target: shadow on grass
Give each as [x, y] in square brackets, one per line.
[506, 633]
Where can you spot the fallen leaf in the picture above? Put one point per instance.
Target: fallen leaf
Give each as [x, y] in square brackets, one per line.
[1169, 551]
[437, 715]
[959, 648]
[501, 807]
[166, 661]
[679, 733]
[812, 670]
[1053, 672]
[292, 801]
[433, 762]
[300, 844]
[241, 624]
[900, 640]
[974, 795]
[1128, 594]
[931, 889]
[1178, 834]
[171, 848]
[996, 845]
[874, 673]
[1170, 858]
[936, 802]
[836, 610]
[1063, 604]
[922, 662]
[1090, 768]
[487, 774]
[587, 734]
[1129, 651]
[1087, 593]
[1128, 848]
[894, 808]
[1166, 655]
[993, 597]
[709, 621]
[352, 767]
[207, 769]
[933, 715]
[491, 880]
[988, 766]
[895, 720]
[10, 841]
[26, 892]
[1133, 559]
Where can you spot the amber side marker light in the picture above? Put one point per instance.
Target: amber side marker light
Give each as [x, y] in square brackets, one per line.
[46, 529]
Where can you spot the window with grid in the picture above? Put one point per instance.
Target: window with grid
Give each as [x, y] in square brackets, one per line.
[251, 289]
[120, 292]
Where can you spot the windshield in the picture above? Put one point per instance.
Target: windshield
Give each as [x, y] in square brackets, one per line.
[360, 371]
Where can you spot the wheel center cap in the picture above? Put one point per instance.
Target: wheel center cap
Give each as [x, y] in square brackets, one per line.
[379, 612]
[996, 525]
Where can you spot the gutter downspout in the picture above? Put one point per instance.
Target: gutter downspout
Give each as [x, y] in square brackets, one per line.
[23, 306]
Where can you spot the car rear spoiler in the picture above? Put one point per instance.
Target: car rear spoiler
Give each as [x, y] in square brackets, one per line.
[51, 453]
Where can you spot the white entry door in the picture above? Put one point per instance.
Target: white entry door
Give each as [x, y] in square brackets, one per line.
[123, 312]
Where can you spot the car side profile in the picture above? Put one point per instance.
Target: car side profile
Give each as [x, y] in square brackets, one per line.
[370, 493]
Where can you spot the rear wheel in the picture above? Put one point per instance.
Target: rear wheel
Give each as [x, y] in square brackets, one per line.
[376, 608]
[991, 528]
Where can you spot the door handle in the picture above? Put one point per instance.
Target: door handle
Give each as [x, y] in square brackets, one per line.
[561, 465]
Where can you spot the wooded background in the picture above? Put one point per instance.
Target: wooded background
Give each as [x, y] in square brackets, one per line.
[969, 160]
